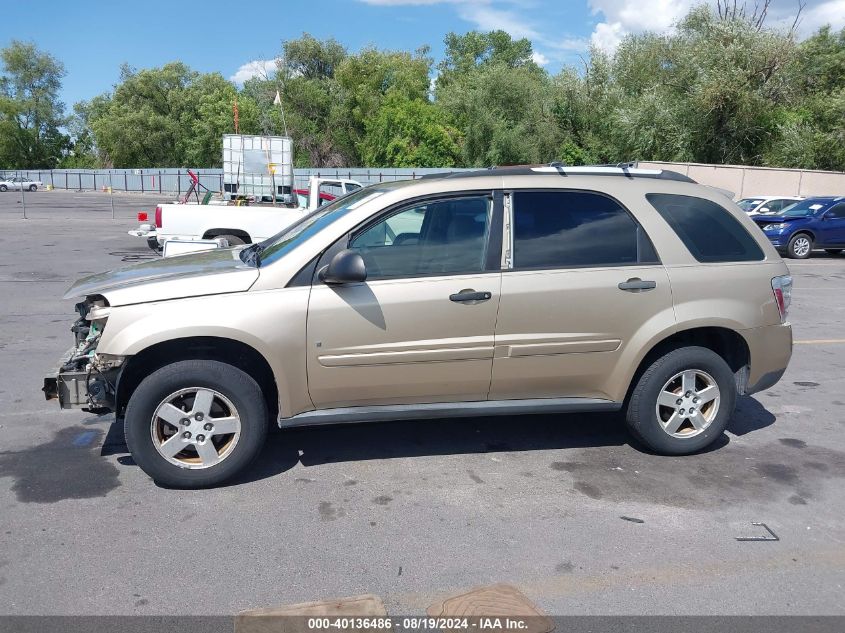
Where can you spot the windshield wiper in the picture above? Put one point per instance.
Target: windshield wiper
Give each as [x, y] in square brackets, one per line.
[252, 255]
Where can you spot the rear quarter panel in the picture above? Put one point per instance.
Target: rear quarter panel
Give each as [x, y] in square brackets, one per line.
[735, 295]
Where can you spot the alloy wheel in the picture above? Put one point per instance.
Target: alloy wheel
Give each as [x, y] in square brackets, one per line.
[195, 428]
[688, 403]
[801, 246]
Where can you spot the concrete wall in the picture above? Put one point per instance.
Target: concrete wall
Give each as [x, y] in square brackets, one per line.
[760, 181]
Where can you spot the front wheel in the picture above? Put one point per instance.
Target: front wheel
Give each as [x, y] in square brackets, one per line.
[799, 246]
[196, 423]
[683, 401]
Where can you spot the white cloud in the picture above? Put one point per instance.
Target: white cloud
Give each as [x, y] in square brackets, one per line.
[262, 68]
[607, 36]
[539, 58]
[621, 17]
[634, 16]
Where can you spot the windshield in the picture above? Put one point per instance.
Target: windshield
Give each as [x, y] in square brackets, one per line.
[747, 204]
[290, 237]
[802, 209]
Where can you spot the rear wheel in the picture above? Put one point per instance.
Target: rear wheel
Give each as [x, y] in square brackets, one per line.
[196, 423]
[33, 187]
[800, 246]
[233, 240]
[3, 188]
[833, 251]
[683, 401]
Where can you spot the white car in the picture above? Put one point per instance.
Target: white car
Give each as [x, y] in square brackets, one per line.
[760, 205]
[17, 183]
[213, 226]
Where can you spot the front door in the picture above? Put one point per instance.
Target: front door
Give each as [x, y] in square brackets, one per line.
[583, 284]
[832, 230]
[421, 328]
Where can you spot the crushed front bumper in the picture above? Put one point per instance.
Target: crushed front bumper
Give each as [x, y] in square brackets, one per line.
[90, 388]
[69, 387]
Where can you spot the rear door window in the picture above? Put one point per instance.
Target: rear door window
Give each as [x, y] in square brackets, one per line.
[707, 229]
[572, 229]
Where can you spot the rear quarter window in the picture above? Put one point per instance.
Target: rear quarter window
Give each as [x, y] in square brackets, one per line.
[707, 229]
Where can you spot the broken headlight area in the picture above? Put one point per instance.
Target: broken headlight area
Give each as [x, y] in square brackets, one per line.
[85, 379]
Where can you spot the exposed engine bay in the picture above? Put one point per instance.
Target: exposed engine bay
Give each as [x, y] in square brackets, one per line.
[85, 379]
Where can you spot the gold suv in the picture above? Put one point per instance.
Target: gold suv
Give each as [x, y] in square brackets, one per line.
[493, 292]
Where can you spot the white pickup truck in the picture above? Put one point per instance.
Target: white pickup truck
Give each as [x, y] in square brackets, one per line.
[211, 224]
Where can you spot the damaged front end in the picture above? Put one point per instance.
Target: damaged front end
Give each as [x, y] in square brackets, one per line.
[85, 379]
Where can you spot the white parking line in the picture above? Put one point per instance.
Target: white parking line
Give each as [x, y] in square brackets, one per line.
[820, 341]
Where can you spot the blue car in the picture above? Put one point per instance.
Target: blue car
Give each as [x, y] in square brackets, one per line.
[814, 223]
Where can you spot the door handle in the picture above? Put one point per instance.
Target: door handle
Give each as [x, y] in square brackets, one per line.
[470, 295]
[635, 284]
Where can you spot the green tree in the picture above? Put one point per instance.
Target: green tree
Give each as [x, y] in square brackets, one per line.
[31, 113]
[710, 92]
[498, 98]
[163, 117]
[467, 53]
[811, 134]
[207, 114]
[312, 100]
[368, 79]
[409, 132]
[138, 124]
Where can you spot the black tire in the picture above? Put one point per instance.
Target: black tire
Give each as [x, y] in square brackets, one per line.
[233, 240]
[33, 187]
[3, 188]
[642, 417]
[833, 251]
[794, 242]
[243, 392]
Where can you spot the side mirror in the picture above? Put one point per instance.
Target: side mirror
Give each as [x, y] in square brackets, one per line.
[347, 267]
[763, 210]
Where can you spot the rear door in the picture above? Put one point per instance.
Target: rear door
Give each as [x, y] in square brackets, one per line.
[583, 281]
[420, 329]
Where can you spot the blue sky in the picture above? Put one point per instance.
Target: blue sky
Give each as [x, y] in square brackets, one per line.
[237, 38]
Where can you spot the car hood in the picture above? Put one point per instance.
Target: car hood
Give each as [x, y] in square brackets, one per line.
[774, 219]
[215, 271]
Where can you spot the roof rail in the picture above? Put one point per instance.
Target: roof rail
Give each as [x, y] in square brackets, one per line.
[627, 170]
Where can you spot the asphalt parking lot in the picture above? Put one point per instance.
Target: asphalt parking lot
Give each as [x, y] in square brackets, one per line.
[413, 512]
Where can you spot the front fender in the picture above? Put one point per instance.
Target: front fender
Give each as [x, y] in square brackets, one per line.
[272, 322]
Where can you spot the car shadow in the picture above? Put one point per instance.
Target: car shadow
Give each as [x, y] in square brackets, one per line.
[316, 445]
[749, 416]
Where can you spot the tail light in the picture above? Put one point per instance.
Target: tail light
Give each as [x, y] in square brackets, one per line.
[142, 216]
[782, 287]
[158, 217]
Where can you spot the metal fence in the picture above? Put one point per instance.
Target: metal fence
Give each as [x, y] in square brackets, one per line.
[177, 181]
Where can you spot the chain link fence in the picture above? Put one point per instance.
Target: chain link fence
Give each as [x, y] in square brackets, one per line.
[177, 181]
